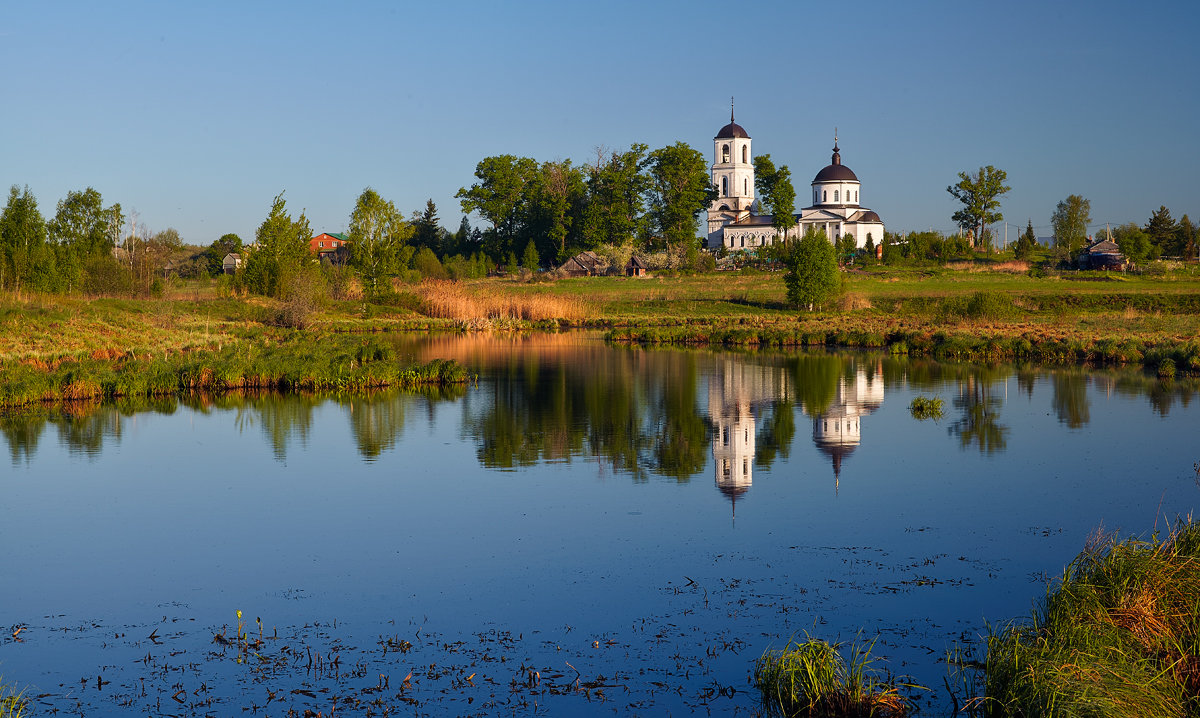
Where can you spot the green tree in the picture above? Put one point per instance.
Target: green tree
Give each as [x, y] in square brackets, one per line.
[427, 228]
[1134, 243]
[376, 236]
[280, 252]
[530, 259]
[812, 272]
[777, 195]
[1187, 237]
[558, 196]
[680, 189]
[214, 256]
[979, 195]
[617, 187]
[81, 230]
[1026, 243]
[1070, 221]
[1161, 229]
[428, 265]
[22, 241]
[500, 197]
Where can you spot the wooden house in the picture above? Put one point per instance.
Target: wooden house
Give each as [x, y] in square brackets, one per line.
[584, 264]
[1102, 254]
[636, 267]
[231, 262]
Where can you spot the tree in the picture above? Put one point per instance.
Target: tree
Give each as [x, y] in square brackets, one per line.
[979, 195]
[1134, 243]
[1161, 229]
[426, 228]
[776, 193]
[616, 189]
[1070, 221]
[22, 240]
[812, 272]
[81, 231]
[1026, 243]
[680, 189]
[500, 196]
[281, 251]
[556, 208]
[1187, 236]
[376, 236]
[214, 256]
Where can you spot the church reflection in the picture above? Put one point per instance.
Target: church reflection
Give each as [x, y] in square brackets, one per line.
[748, 404]
[837, 432]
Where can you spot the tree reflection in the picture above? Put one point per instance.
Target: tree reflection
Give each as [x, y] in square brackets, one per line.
[980, 421]
[1070, 399]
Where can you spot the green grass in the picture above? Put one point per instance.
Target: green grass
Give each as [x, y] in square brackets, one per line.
[12, 705]
[923, 407]
[1119, 636]
[811, 678]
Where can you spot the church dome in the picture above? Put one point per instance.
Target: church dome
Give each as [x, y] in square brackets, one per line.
[732, 130]
[835, 171]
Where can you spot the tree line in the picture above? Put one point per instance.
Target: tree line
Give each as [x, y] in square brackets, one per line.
[650, 199]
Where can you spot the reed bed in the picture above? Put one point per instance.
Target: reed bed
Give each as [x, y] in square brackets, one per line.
[1119, 636]
[301, 363]
[452, 300]
[810, 678]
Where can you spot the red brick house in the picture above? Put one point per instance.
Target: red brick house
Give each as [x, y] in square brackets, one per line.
[326, 242]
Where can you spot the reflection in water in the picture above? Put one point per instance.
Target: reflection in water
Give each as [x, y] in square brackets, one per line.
[837, 431]
[980, 420]
[738, 392]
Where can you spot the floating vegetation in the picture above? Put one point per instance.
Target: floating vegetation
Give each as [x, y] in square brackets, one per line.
[923, 407]
[811, 678]
[1119, 636]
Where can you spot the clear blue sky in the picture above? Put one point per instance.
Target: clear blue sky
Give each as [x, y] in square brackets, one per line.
[196, 114]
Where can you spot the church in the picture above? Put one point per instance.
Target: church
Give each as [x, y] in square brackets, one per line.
[732, 219]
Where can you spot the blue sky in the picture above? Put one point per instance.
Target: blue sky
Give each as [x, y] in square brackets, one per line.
[196, 114]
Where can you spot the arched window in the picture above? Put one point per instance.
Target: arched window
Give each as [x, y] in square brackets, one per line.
[743, 241]
[856, 196]
[825, 196]
[745, 185]
[835, 195]
[745, 153]
[724, 186]
[725, 153]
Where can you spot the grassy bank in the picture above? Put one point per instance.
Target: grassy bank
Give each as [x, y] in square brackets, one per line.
[284, 361]
[811, 678]
[1118, 636]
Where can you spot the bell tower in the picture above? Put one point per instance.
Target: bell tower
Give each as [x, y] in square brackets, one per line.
[733, 176]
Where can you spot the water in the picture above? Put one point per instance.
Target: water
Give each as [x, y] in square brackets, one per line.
[587, 529]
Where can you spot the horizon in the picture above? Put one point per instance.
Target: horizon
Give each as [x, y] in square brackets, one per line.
[196, 117]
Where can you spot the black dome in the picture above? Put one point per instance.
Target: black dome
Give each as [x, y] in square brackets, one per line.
[835, 171]
[732, 130]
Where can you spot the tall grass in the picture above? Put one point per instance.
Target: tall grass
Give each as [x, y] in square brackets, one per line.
[1119, 636]
[811, 678]
[12, 705]
[452, 300]
[301, 363]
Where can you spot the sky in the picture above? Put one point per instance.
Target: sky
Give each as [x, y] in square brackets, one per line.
[195, 115]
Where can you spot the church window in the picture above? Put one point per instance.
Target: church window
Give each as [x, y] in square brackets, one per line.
[745, 185]
[724, 153]
[825, 196]
[745, 153]
[835, 195]
[856, 196]
[745, 467]
[743, 241]
[724, 186]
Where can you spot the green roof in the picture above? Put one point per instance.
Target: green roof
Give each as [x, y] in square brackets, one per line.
[339, 235]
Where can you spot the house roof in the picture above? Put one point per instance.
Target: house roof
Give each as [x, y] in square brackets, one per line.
[1103, 246]
[636, 263]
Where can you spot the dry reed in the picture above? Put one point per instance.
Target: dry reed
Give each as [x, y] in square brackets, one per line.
[450, 300]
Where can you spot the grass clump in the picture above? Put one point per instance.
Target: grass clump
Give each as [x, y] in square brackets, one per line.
[12, 705]
[924, 407]
[811, 678]
[1118, 637]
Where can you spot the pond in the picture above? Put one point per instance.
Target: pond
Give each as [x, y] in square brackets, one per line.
[586, 529]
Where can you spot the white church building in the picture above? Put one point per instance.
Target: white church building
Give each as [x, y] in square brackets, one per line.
[732, 219]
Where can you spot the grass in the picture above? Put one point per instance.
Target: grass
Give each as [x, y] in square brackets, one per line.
[811, 678]
[923, 407]
[286, 361]
[12, 705]
[1118, 636]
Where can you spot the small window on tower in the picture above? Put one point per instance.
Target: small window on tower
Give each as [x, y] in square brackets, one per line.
[745, 185]
[825, 196]
[745, 151]
[724, 186]
[856, 195]
[835, 195]
[724, 153]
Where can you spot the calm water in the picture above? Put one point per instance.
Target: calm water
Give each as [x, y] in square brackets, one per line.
[587, 529]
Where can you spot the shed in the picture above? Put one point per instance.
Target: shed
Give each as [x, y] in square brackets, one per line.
[636, 267]
[584, 264]
[1102, 254]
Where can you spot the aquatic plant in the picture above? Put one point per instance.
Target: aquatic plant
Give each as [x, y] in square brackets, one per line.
[923, 407]
[811, 678]
[12, 705]
[1119, 636]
